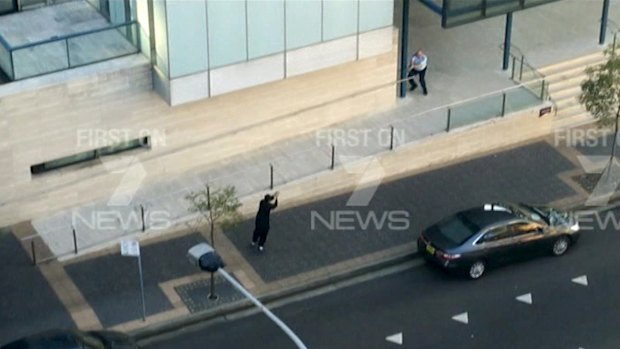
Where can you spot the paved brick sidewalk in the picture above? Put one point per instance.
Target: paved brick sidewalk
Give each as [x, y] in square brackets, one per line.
[296, 250]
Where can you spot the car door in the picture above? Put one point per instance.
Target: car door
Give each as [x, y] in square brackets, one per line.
[496, 245]
[529, 238]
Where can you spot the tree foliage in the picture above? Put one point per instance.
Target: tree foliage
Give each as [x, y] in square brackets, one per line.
[220, 205]
[601, 91]
[600, 94]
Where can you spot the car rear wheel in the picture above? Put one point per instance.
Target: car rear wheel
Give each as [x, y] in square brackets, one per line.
[477, 269]
[560, 246]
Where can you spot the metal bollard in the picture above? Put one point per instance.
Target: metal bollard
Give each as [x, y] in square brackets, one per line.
[271, 176]
[333, 157]
[503, 103]
[391, 137]
[75, 246]
[142, 216]
[449, 117]
[34, 252]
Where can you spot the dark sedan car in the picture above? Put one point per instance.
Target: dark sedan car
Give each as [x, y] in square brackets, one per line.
[494, 234]
[74, 339]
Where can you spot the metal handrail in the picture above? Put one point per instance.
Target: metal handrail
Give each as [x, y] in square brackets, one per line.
[71, 36]
[522, 59]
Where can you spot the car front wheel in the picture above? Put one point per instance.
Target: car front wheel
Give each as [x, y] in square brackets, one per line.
[477, 269]
[560, 246]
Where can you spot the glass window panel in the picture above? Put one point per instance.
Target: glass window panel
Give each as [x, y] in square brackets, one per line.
[161, 35]
[265, 27]
[375, 14]
[102, 45]
[187, 37]
[40, 59]
[500, 7]
[339, 18]
[227, 41]
[7, 6]
[303, 23]
[5, 61]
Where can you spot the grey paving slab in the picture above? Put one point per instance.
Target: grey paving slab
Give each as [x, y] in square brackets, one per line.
[27, 302]
[301, 242]
[111, 286]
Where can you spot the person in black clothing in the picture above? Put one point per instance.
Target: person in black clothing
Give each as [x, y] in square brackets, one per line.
[261, 227]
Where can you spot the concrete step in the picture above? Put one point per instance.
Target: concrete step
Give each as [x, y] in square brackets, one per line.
[570, 111]
[573, 120]
[568, 92]
[568, 74]
[566, 84]
[566, 103]
[582, 61]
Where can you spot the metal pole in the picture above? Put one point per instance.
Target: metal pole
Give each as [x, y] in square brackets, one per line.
[68, 55]
[271, 176]
[75, 248]
[212, 295]
[404, 42]
[514, 65]
[142, 216]
[141, 288]
[333, 157]
[507, 41]
[449, 117]
[521, 68]
[542, 91]
[604, 17]
[211, 225]
[503, 103]
[264, 309]
[391, 137]
[34, 252]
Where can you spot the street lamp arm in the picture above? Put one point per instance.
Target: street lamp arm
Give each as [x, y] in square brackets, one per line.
[264, 309]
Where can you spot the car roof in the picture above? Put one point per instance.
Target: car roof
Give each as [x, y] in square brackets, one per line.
[51, 339]
[489, 214]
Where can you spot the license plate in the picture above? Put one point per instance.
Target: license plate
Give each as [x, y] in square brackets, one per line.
[430, 249]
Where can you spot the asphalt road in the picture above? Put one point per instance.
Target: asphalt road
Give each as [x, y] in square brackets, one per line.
[421, 302]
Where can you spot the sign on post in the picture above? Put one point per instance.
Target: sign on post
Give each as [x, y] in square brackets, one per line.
[131, 248]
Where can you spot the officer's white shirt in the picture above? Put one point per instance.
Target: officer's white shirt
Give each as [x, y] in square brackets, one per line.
[419, 62]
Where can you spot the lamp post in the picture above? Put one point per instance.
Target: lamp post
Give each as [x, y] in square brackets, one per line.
[205, 257]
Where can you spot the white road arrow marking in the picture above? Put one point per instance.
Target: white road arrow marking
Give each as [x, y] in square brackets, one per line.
[526, 298]
[463, 318]
[581, 280]
[395, 338]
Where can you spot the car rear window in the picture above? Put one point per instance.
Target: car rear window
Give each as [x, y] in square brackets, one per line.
[456, 230]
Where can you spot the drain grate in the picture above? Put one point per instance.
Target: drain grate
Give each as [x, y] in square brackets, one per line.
[195, 295]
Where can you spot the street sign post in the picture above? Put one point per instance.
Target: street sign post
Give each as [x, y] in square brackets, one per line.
[131, 248]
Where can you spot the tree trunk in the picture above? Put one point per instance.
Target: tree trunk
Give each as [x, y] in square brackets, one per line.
[613, 145]
[212, 228]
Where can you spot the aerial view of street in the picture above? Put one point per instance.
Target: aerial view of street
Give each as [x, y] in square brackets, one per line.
[303, 174]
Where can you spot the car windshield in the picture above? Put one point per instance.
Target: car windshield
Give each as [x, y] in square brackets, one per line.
[456, 229]
[531, 213]
[91, 341]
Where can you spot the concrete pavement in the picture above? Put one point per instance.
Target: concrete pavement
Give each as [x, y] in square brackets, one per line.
[421, 302]
[451, 79]
[299, 252]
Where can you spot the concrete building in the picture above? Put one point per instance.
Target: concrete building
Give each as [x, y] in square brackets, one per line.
[242, 74]
[105, 97]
